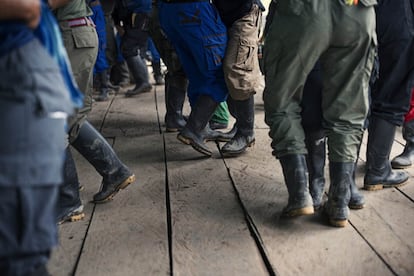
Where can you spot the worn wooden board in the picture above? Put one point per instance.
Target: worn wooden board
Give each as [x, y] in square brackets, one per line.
[128, 236]
[301, 246]
[387, 220]
[209, 232]
[71, 235]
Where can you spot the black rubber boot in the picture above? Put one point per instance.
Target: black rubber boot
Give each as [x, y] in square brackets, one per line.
[357, 200]
[158, 77]
[139, 71]
[379, 173]
[217, 136]
[175, 91]
[120, 74]
[70, 206]
[296, 179]
[99, 153]
[194, 133]
[104, 87]
[406, 158]
[243, 112]
[341, 175]
[316, 145]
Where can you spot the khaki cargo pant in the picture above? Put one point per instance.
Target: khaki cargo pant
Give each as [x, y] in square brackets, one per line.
[241, 64]
[81, 44]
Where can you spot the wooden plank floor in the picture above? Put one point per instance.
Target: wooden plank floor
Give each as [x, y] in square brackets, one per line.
[188, 215]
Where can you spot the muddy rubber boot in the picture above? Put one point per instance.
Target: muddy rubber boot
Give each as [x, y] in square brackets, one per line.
[406, 158]
[69, 206]
[341, 177]
[158, 77]
[379, 173]
[139, 71]
[243, 112]
[103, 90]
[296, 179]
[116, 176]
[217, 136]
[357, 200]
[175, 91]
[315, 160]
[194, 131]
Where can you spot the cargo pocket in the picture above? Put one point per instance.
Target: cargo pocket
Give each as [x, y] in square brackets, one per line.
[214, 48]
[245, 55]
[84, 37]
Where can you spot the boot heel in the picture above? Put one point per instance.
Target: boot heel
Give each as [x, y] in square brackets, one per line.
[338, 223]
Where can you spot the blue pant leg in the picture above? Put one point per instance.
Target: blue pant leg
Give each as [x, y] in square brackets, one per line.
[200, 39]
[99, 20]
[28, 229]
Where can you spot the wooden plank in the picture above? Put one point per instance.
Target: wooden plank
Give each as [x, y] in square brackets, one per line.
[132, 116]
[387, 221]
[301, 246]
[129, 235]
[209, 234]
[71, 235]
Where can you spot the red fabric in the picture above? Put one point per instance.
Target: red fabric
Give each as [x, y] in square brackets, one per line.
[410, 114]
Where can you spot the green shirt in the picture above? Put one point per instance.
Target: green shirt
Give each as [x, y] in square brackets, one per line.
[74, 9]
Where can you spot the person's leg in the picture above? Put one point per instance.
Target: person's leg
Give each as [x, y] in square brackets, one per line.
[406, 158]
[391, 93]
[345, 100]
[176, 82]
[115, 174]
[134, 40]
[221, 116]
[28, 229]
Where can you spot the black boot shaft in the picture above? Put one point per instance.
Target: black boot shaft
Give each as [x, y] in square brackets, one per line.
[69, 198]
[341, 177]
[296, 179]
[138, 70]
[378, 167]
[103, 158]
[175, 92]
[194, 133]
[315, 159]
[243, 112]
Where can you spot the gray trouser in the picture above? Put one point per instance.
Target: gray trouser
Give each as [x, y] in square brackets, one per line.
[343, 38]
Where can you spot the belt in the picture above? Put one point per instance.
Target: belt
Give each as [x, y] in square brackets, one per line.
[78, 22]
[184, 1]
[94, 3]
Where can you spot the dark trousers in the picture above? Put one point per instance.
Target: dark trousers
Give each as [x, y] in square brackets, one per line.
[395, 29]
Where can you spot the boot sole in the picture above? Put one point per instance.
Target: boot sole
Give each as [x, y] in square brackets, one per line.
[194, 145]
[73, 218]
[123, 185]
[356, 206]
[400, 167]
[237, 153]
[306, 211]
[377, 187]
[172, 129]
[338, 223]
